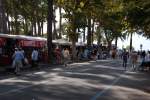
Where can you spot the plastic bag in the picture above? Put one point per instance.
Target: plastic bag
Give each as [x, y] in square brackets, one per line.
[26, 61]
[13, 64]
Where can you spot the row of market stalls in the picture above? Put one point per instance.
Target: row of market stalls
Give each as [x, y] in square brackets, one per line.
[27, 43]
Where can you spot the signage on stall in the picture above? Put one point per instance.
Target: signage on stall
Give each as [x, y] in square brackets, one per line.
[28, 43]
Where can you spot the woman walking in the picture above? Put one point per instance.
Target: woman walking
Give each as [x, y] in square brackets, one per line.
[17, 60]
[66, 56]
[134, 58]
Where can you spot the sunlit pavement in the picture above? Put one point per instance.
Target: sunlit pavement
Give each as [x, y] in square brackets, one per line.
[101, 80]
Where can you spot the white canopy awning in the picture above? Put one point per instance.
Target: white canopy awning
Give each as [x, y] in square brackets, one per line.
[80, 44]
[61, 42]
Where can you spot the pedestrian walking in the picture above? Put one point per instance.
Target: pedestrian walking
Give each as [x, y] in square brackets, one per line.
[125, 58]
[34, 58]
[58, 55]
[113, 54]
[86, 53]
[134, 58]
[66, 56]
[143, 64]
[17, 60]
[94, 55]
[147, 60]
[143, 54]
[25, 60]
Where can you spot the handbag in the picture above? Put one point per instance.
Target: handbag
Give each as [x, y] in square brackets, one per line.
[26, 61]
[13, 64]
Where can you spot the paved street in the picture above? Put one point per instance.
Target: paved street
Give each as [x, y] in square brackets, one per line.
[101, 80]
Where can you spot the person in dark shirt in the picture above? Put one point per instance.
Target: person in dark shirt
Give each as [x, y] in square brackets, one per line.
[125, 58]
[143, 56]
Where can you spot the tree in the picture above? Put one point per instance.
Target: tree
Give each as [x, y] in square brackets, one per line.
[91, 10]
[60, 3]
[55, 35]
[49, 29]
[60, 22]
[72, 10]
[27, 17]
[137, 17]
[110, 19]
[3, 23]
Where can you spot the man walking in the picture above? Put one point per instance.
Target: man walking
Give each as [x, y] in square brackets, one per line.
[125, 58]
[34, 57]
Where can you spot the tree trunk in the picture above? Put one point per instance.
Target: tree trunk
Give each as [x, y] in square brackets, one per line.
[73, 49]
[74, 38]
[1, 29]
[109, 45]
[8, 22]
[89, 32]
[99, 39]
[49, 30]
[3, 23]
[32, 28]
[23, 24]
[92, 36]
[54, 30]
[39, 28]
[42, 27]
[84, 34]
[12, 23]
[116, 42]
[99, 44]
[54, 24]
[12, 26]
[26, 27]
[131, 41]
[34, 25]
[4, 18]
[42, 31]
[16, 23]
[60, 23]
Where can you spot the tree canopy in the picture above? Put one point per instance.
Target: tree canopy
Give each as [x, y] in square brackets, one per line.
[112, 16]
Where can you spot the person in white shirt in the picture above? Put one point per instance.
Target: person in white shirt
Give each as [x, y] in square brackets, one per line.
[147, 57]
[34, 58]
[86, 53]
[66, 56]
[17, 60]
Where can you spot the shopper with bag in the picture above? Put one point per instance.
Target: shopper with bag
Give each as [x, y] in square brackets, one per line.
[17, 60]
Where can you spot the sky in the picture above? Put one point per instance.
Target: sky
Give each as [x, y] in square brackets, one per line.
[137, 41]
